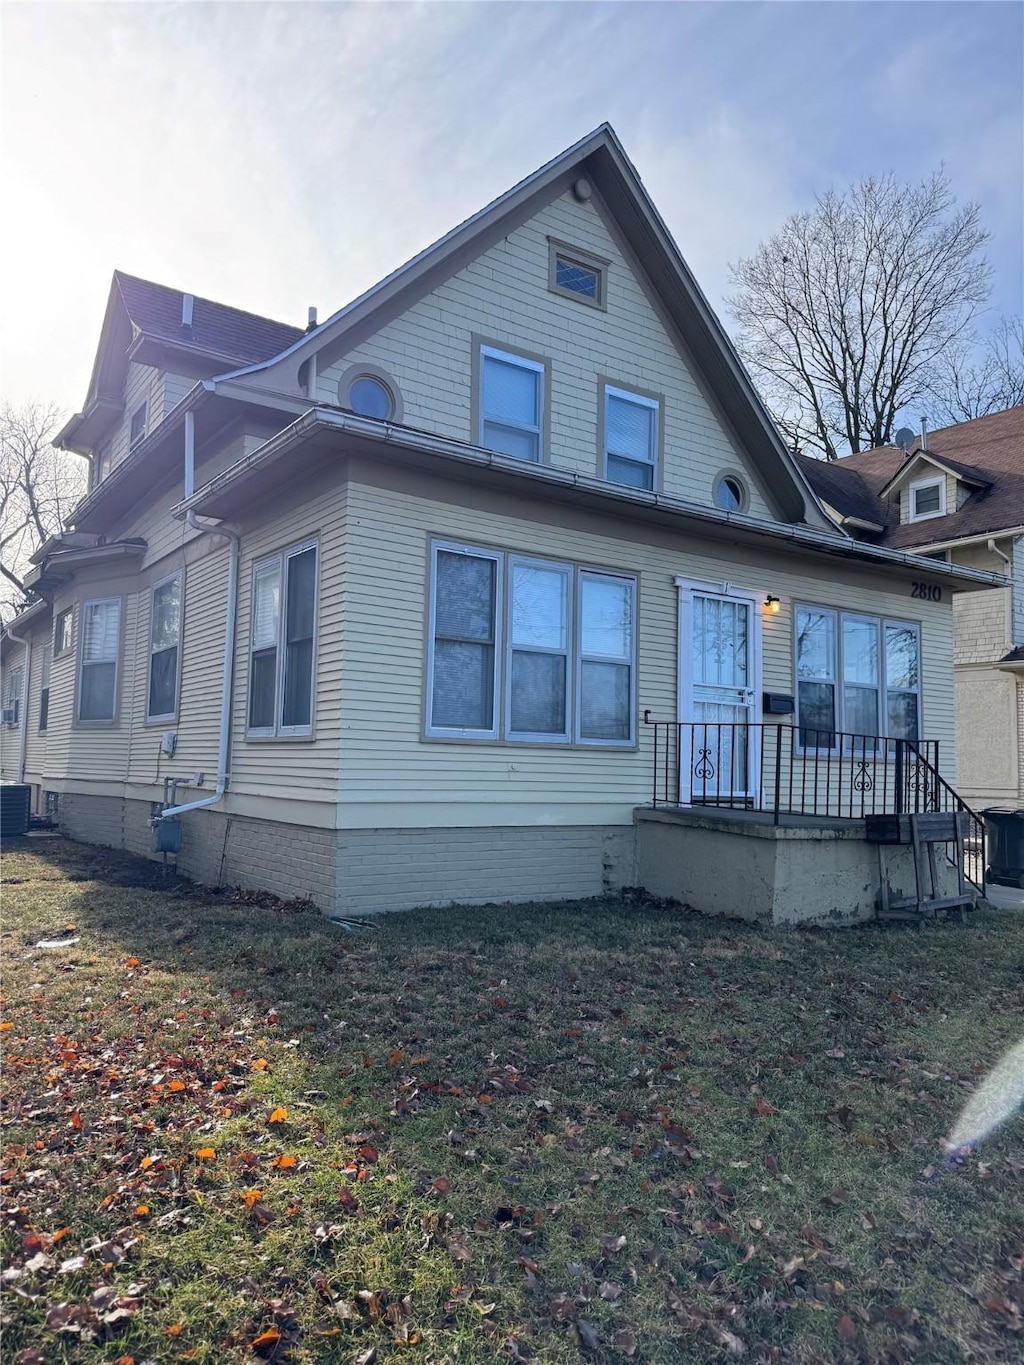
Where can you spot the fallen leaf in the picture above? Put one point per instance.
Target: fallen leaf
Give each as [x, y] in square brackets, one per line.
[278, 1115]
[206, 1154]
[846, 1328]
[762, 1107]
[623, 1340]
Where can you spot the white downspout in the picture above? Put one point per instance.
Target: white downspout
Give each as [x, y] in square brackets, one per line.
[23, 703]
[190, 453]
[229, 667]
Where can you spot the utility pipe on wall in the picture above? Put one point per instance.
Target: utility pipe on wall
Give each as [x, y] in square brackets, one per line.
[223, 748]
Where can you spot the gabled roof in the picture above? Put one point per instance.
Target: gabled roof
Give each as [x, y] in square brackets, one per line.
[987, 454]
[217, 329]
[598, 163]
[142, 317]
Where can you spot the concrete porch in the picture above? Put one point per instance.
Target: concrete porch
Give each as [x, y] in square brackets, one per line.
[805, 869]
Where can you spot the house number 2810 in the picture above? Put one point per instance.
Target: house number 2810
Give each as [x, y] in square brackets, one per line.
[928, 592]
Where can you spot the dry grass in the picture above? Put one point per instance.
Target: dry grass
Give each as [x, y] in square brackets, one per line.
[610, 1130]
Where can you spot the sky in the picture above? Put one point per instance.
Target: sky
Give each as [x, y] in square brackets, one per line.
[275, 156]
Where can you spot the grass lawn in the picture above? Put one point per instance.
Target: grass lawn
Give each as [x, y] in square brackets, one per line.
[608, 1131]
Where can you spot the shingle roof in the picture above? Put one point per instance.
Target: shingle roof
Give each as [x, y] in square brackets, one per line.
[989, 449]
[216, 329]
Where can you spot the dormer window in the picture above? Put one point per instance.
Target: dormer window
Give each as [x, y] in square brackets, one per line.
[927, 498]
[137, 427]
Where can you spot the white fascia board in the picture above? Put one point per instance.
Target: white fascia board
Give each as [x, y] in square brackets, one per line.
[386, 433]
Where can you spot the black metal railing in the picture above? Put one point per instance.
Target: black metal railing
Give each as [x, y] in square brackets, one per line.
[788, 770]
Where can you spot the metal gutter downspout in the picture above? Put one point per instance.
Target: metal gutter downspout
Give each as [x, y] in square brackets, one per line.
[23, 703]
[234, 537]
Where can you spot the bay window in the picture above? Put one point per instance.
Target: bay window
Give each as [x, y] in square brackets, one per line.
[282, 643]
[164, 648]
[97, 678]
[857, 675]
[526, 649]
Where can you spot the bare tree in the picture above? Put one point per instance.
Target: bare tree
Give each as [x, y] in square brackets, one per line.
[974, 379]
[845, 311]
[39, 486]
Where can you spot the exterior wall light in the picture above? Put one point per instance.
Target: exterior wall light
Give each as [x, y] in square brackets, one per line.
[771, 604]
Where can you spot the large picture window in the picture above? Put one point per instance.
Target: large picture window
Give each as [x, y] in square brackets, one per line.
[529, 650]
[855, 674]
[283, 643]
[97, 679]
[164, 649]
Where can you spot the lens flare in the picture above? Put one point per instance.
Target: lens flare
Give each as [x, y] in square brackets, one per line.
[996, 1099]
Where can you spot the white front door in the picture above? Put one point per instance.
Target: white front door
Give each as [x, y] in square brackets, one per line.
[719, 753]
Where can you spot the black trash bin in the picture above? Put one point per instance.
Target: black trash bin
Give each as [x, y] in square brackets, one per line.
[1004, 841]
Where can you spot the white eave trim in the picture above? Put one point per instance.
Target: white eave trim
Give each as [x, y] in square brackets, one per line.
[460, 452]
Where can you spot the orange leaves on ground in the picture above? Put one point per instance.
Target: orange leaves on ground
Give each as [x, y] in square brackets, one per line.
[146, 1162]
[251, 1197]
[174, 1330]
[176, 1086]
[141, 1210]
[349, 1099]
[268, 1338]
[278, 1115]
[396, 1058]
[259, 1064]
[76, 1120]
[206, 1154]
[5, 1026]
[368, 1153]
[132, 962]
[285, 1163]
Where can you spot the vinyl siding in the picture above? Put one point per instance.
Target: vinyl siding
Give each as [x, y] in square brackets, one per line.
[391, 776]
[141, 386]
[503, 296]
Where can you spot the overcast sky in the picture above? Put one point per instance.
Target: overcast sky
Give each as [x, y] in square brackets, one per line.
[278, 155]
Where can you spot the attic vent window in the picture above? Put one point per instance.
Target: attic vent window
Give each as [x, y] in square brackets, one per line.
[577, 275]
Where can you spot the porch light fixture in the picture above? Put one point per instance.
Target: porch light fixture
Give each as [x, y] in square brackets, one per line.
[771, 604]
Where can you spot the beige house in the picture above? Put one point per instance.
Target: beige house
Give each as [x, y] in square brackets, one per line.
[957, 495]
[431, 601]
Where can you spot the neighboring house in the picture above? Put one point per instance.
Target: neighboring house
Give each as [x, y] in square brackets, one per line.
[957, 495]
[380, 608]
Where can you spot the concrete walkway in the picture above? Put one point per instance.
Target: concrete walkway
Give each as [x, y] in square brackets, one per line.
[1004, 897]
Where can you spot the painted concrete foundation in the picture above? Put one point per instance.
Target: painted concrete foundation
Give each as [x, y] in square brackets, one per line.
[359, 872]
[741, 868]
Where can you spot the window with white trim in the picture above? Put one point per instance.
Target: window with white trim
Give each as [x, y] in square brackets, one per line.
[511, 404]
[97, 677]
[12, 696]
[283, 640]
[137, 426]
[63, 631]
[44, 687]
[927, 498]
[164, 649]
[630, 438]
[860, 675]
[562, 671]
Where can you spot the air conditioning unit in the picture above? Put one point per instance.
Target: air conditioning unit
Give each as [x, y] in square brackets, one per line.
[9, 715]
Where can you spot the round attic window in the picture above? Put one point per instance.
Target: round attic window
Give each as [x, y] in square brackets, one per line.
[730, 493]
[370, 397]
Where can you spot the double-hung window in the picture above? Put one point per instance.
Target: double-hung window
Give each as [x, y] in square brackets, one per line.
[526, 649]
[630, 438]
[858, 675]
[164, 649]
[282, 644]
[12, 702]
[927, 498]
[137, 425]
[63, 631]
[44, 687]
[511, 404]
[97, 679]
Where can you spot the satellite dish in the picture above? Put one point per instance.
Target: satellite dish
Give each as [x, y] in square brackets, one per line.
[905, 438]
